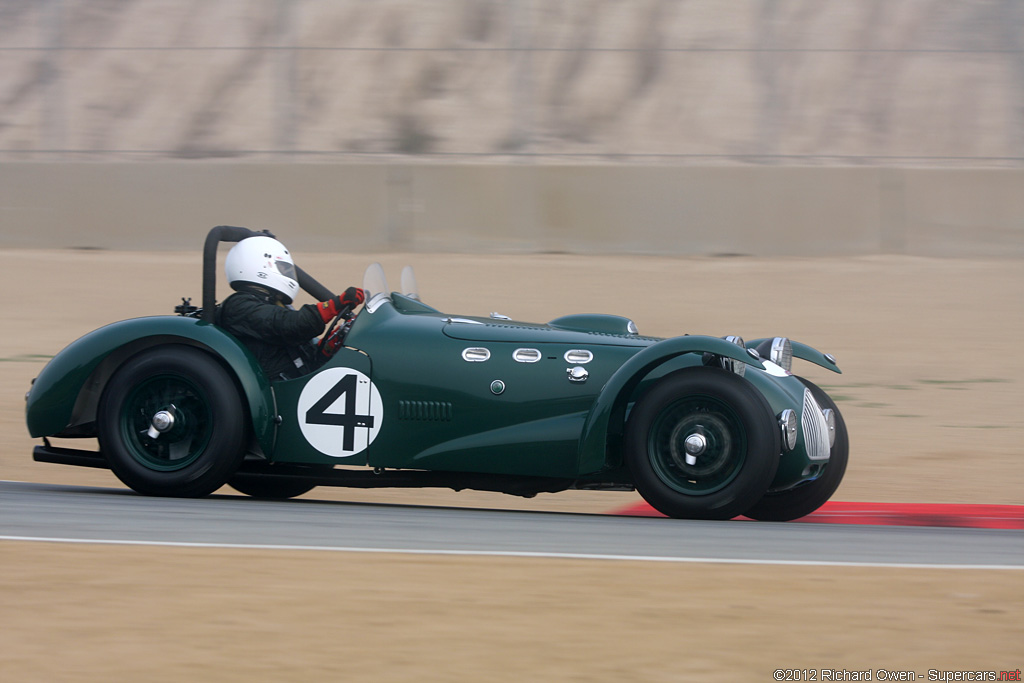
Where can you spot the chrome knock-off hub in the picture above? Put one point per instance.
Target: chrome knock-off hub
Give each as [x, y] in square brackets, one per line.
[695, 444]
[162, 421]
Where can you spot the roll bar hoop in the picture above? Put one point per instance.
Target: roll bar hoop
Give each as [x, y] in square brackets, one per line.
[231, 233]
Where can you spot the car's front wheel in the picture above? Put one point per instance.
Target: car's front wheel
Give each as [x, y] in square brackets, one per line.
[171, 423]
[702, 443]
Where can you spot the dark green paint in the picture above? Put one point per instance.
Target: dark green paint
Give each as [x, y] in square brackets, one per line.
[291, 444]
[67, 391]
[439, 411]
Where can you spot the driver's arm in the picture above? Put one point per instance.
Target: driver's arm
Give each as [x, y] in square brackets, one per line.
[344, 303]
[248, 316]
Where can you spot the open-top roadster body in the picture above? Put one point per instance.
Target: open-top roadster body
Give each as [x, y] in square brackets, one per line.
[702, 427]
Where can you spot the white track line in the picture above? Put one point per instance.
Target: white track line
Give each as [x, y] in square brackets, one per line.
[516, 553]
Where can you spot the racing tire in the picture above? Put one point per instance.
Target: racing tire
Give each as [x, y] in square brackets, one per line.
[798, 502]
[740, 436]
[204, 442]
[269, 488]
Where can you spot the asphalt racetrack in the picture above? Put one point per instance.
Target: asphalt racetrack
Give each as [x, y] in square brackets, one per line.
[43, 512]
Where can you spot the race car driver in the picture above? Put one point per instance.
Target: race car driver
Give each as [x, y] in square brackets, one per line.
[259, 313]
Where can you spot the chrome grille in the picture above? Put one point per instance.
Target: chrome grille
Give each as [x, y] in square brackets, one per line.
[815, 429]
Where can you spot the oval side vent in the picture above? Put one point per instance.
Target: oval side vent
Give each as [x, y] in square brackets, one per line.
[526, 355]
[578, 356]
[475, 354]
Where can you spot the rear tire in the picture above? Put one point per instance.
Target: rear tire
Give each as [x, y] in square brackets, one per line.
[735, 433]
[806, 498]
[267, 487]
[203, 444]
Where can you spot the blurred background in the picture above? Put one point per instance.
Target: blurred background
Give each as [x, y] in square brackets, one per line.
[650, 126]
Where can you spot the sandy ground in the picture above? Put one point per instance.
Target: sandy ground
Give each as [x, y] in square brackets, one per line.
[931, 392]
[159, 614]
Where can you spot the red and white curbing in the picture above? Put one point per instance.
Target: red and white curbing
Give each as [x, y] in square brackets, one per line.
[892, 514]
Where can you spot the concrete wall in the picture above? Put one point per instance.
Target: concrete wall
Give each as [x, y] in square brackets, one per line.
[887, 82]
[519, 208]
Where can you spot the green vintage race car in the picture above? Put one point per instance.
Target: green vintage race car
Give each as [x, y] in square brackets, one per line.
[702, 427]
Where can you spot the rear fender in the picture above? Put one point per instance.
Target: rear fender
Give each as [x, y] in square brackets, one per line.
[66, 394]
[609, 408]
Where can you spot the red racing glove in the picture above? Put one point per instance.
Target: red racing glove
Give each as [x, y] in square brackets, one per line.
[333, 343]
[329, 309]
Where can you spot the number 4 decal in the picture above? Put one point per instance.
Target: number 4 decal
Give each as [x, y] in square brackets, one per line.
[340, 412]
[348, 419]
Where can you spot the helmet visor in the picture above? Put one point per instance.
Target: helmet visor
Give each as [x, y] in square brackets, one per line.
[286, 269]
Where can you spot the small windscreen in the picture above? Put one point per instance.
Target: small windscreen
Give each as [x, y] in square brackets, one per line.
[409, 286]
[375, 287]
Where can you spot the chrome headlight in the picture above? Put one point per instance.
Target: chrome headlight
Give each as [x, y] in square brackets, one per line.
[737, 366]
[788, 424]
[782, 353]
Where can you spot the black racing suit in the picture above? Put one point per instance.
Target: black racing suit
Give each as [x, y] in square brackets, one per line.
[280, 338]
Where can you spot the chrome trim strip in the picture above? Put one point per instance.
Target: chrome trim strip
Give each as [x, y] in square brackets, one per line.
[376, 301]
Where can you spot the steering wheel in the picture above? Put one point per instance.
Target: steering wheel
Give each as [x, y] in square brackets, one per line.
[327, 346]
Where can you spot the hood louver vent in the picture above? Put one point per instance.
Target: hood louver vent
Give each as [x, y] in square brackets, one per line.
[429, 411]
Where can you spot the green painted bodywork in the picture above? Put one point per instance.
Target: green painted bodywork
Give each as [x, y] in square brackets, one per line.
[66, 393]
[440, 411]
[606, 324]
[292, 446]
[542, 424]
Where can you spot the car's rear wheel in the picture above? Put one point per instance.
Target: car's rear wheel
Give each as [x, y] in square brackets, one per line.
[171, 423]
[268, 487]
[806, 498]
[702, 444]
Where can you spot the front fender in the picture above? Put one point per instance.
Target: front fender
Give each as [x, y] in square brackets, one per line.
[66, 393]
[610, 405]
[807, 353]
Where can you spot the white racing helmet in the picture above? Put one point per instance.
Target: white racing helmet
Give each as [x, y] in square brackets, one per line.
[265, 262]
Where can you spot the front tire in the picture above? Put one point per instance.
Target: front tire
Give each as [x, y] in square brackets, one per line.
[171, 423]
[806, 498]
[702, 444]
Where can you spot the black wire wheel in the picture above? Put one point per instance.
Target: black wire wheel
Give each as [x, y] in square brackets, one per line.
[702, 443]
[806, 498]
[171, 423]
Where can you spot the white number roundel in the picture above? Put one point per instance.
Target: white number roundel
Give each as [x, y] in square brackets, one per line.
[340, 412]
